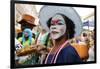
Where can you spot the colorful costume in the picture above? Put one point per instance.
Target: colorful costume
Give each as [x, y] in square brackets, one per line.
[67, 54]
[29, 41]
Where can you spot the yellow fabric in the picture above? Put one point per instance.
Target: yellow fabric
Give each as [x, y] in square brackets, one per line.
[26, 43]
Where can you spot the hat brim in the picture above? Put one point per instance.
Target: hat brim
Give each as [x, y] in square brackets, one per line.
[47, 12]
[24, 21]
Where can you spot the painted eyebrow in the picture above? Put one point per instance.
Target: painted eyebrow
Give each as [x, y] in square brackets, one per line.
[55, 21]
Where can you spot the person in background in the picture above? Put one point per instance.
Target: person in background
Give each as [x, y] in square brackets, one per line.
[84, 37]
[26, 39]
[27, 21]
[18, 46]
[63, 23]
[42, 38]
[42, 41]
[92, 47]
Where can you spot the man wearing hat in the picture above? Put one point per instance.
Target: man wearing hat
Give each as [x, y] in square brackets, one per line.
[27, 21]
[63, 23]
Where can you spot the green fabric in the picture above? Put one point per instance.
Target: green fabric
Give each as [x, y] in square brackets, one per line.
[26, 43]
[43, 38]
[34, 60]
[36, 34]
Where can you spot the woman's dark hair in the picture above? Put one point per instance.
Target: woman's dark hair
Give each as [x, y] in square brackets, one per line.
[70, 31]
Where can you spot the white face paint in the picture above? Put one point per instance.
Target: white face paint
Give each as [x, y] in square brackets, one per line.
[58, 27]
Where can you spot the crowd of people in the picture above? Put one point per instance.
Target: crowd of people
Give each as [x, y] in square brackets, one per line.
[61, 44]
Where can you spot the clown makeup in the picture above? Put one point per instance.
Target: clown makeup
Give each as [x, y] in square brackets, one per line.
[58, 27]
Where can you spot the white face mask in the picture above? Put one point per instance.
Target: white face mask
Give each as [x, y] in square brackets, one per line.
[58, 27]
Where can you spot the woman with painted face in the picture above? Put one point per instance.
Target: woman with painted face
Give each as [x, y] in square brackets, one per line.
[63, 23]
